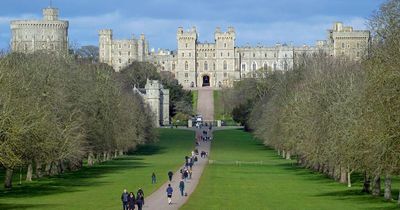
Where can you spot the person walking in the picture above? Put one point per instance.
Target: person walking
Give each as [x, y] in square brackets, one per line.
[169, 194]
[182, 186]
[139, 203]
[124, 199]
[186, 174]
[131, 201]
[153, 178]
[170, 174]
[140, 195]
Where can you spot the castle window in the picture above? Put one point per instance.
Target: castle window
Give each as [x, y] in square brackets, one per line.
[274, 66]
[214, 55]
[190, 54]
[265, 66]
[243, 67]
[186, 65]
[265, 55]
[186, 75]
[205, 55]
[225, 74]
[285, 55]
[224, 44]
[162, 68]
[348, 45]
[214, 66]
[119, 60]
[221, 54]
[342, 45]
[119, 46]
[186, 45]
[254, 66]
[173, 66]
[254, 55]
[225, 65]
[129, 53]
[119, 53]
[228, 54]
[205, 66]
[183, 54]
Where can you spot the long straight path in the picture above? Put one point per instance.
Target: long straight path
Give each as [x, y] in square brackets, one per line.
[158, 200]
[205, 103]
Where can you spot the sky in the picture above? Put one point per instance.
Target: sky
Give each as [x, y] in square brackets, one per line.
[257, 22]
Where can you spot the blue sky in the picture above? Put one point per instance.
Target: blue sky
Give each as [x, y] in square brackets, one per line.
[256, 21]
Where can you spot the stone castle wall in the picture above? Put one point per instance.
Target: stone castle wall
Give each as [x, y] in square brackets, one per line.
[48, 34]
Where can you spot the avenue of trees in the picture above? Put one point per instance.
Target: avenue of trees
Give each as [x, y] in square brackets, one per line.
[57, 110]
[333, 115]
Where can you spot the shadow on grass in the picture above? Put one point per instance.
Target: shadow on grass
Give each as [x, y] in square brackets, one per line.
[71, 181]
[150, 149]
[25, 206]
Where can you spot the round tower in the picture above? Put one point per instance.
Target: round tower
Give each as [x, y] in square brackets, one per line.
[50, 14]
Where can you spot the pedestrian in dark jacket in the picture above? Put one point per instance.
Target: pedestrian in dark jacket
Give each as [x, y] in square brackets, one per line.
[131, 201]
[124, 199]
[170, 174]
[182, 187]
[153, 178]
[140, 195]
[139, 203]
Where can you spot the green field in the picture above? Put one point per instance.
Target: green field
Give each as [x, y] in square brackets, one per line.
[100, 187]
[272, 184]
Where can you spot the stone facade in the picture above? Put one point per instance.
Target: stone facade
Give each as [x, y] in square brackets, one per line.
[221, 62]
[158, 100]
[120, 53]
[48, 34]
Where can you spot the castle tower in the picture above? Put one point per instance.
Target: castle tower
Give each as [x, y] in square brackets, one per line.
[164, 103]
[105, 46]
[142, 48]
[50, 14]
[225, 56]
[153, 100]
[186, 53]
[50, 33]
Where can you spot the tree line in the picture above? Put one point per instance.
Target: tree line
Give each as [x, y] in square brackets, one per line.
[335, 116]
[57, 110]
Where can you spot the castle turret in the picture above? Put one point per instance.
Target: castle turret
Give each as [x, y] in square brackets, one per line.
[105, 46]
[225, 54]
[153, 100]
[50, 14]
[186, 54]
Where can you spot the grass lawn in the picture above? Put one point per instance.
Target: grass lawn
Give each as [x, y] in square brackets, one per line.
[100, 187]
[274, 184]
[194, 100]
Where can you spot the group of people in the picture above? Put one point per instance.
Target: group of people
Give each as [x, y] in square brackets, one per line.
[129, 201]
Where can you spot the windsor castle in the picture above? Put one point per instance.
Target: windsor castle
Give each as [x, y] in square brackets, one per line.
[194, 64]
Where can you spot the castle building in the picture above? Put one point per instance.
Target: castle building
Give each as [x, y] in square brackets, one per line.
[120, 53]
[157, 98]
[220, 63]
[48, 34]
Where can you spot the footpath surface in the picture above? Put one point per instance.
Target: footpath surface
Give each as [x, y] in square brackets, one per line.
[158, 200]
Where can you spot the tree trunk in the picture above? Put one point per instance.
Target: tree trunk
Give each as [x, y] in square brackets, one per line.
[366, 184]
[348, 178]
[47, 169]
[63, 167]
[38, 170]
[288, 155]
[376, 191]
[283, 154]
[29, 173]
[54, 169]
[279, 152]
[90, 159]
[388, 188]
[121, 152]
[8, 178]
[115, 153]
[343, 175]
[104, 156]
